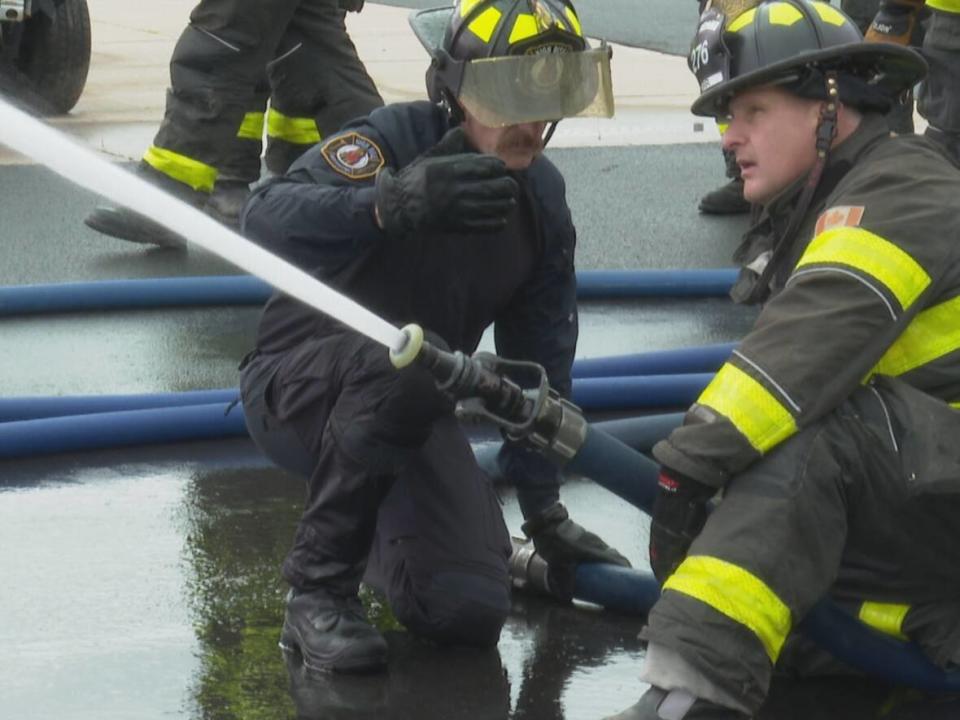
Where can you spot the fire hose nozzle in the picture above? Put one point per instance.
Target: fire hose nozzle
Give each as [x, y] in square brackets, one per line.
[410, 350]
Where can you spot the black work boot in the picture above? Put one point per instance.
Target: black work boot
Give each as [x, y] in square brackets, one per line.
[226, 202]
[120, 222]
[657, 704]
[331, 632]
[725, 200]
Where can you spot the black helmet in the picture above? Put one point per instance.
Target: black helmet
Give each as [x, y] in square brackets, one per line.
[551, 72]
[795, 43]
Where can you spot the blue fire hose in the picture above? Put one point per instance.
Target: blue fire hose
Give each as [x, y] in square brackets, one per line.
[249, 290]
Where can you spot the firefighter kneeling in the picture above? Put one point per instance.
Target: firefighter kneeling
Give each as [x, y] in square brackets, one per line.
[829, 434]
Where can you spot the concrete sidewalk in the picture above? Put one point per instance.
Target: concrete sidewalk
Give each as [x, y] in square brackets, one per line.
[123, 102]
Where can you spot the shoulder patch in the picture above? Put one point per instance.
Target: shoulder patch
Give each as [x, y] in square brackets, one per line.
[353, 155]
[840, 216]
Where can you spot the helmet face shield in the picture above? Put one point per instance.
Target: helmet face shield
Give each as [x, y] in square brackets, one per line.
[540, 86]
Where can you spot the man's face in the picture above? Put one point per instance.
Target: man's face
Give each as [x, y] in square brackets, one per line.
[516, 145]
[773, 135]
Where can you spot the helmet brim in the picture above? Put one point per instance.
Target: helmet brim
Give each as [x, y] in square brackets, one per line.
[896, 68]
[430, 25]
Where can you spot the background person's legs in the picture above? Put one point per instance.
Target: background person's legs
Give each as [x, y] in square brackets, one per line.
[318, 83]
[207, 149]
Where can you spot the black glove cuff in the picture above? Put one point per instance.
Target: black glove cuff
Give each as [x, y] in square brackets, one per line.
[553, 515]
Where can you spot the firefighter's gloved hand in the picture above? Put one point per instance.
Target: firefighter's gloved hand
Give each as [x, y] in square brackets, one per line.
[679, 513]
[564, 544]
[448, 188]
[895, 21]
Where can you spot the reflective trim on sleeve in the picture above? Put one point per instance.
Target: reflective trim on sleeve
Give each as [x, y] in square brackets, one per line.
[871, 254]
[736, 593]
[295, 130]
[194, 173]
[933, 333]
[885, 617]
[485, 23]
[955, 406]
[950, 6]
[252, 126]
[762, 419]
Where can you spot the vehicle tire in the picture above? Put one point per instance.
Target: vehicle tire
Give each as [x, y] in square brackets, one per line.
[54, 55]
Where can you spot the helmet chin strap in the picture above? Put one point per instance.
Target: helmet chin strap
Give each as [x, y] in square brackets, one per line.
[550, 130]
[826, 132]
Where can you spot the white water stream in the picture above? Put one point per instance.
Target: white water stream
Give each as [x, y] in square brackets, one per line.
[28, 136]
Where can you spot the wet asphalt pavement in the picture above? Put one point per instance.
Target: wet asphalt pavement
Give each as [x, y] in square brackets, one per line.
[144, 583]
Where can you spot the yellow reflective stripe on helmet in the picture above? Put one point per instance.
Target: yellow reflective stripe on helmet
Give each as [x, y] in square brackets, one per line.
[830, 14]
[950, 6]
[296, 130]
[736, 593]
[933, 333]
[252, 126]
[871, 254]
[743, 20]
[885, 617]
[467, 5]
[485, 23]
[722, 127]
[181, 168]
[782, 13]
[955, 406]
[755, 412]
[525, 27]
[574, 21]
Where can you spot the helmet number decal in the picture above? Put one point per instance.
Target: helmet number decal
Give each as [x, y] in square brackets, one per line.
[699, 56]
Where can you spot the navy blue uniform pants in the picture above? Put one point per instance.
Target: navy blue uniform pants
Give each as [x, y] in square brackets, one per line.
[393, 493]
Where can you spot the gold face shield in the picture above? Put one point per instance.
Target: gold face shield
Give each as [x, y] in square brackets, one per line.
[547, 85]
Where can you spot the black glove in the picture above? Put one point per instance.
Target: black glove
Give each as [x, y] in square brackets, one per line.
[564, 544]
[895, 21]
[679, 513]
[350, 5]
[447, 188]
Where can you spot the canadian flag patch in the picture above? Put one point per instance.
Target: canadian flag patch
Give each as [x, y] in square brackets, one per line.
[840, 216]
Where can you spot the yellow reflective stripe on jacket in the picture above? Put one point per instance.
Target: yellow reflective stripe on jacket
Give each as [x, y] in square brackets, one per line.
[252, 126]
[869, 253]
[955, 406]
[950, 6]
[296, 130]
[933, 333]
[885, 617]
[753, 409]
[736, 593]
[181, 168]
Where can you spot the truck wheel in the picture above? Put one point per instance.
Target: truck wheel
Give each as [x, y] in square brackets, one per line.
[54, 54]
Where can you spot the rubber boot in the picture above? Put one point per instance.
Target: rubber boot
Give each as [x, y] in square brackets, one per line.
[120, 222]
[226, 202]
[657, 704]
[331, 632]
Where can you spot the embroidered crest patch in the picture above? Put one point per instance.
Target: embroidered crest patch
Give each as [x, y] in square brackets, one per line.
[841, 216]
[353, 155]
